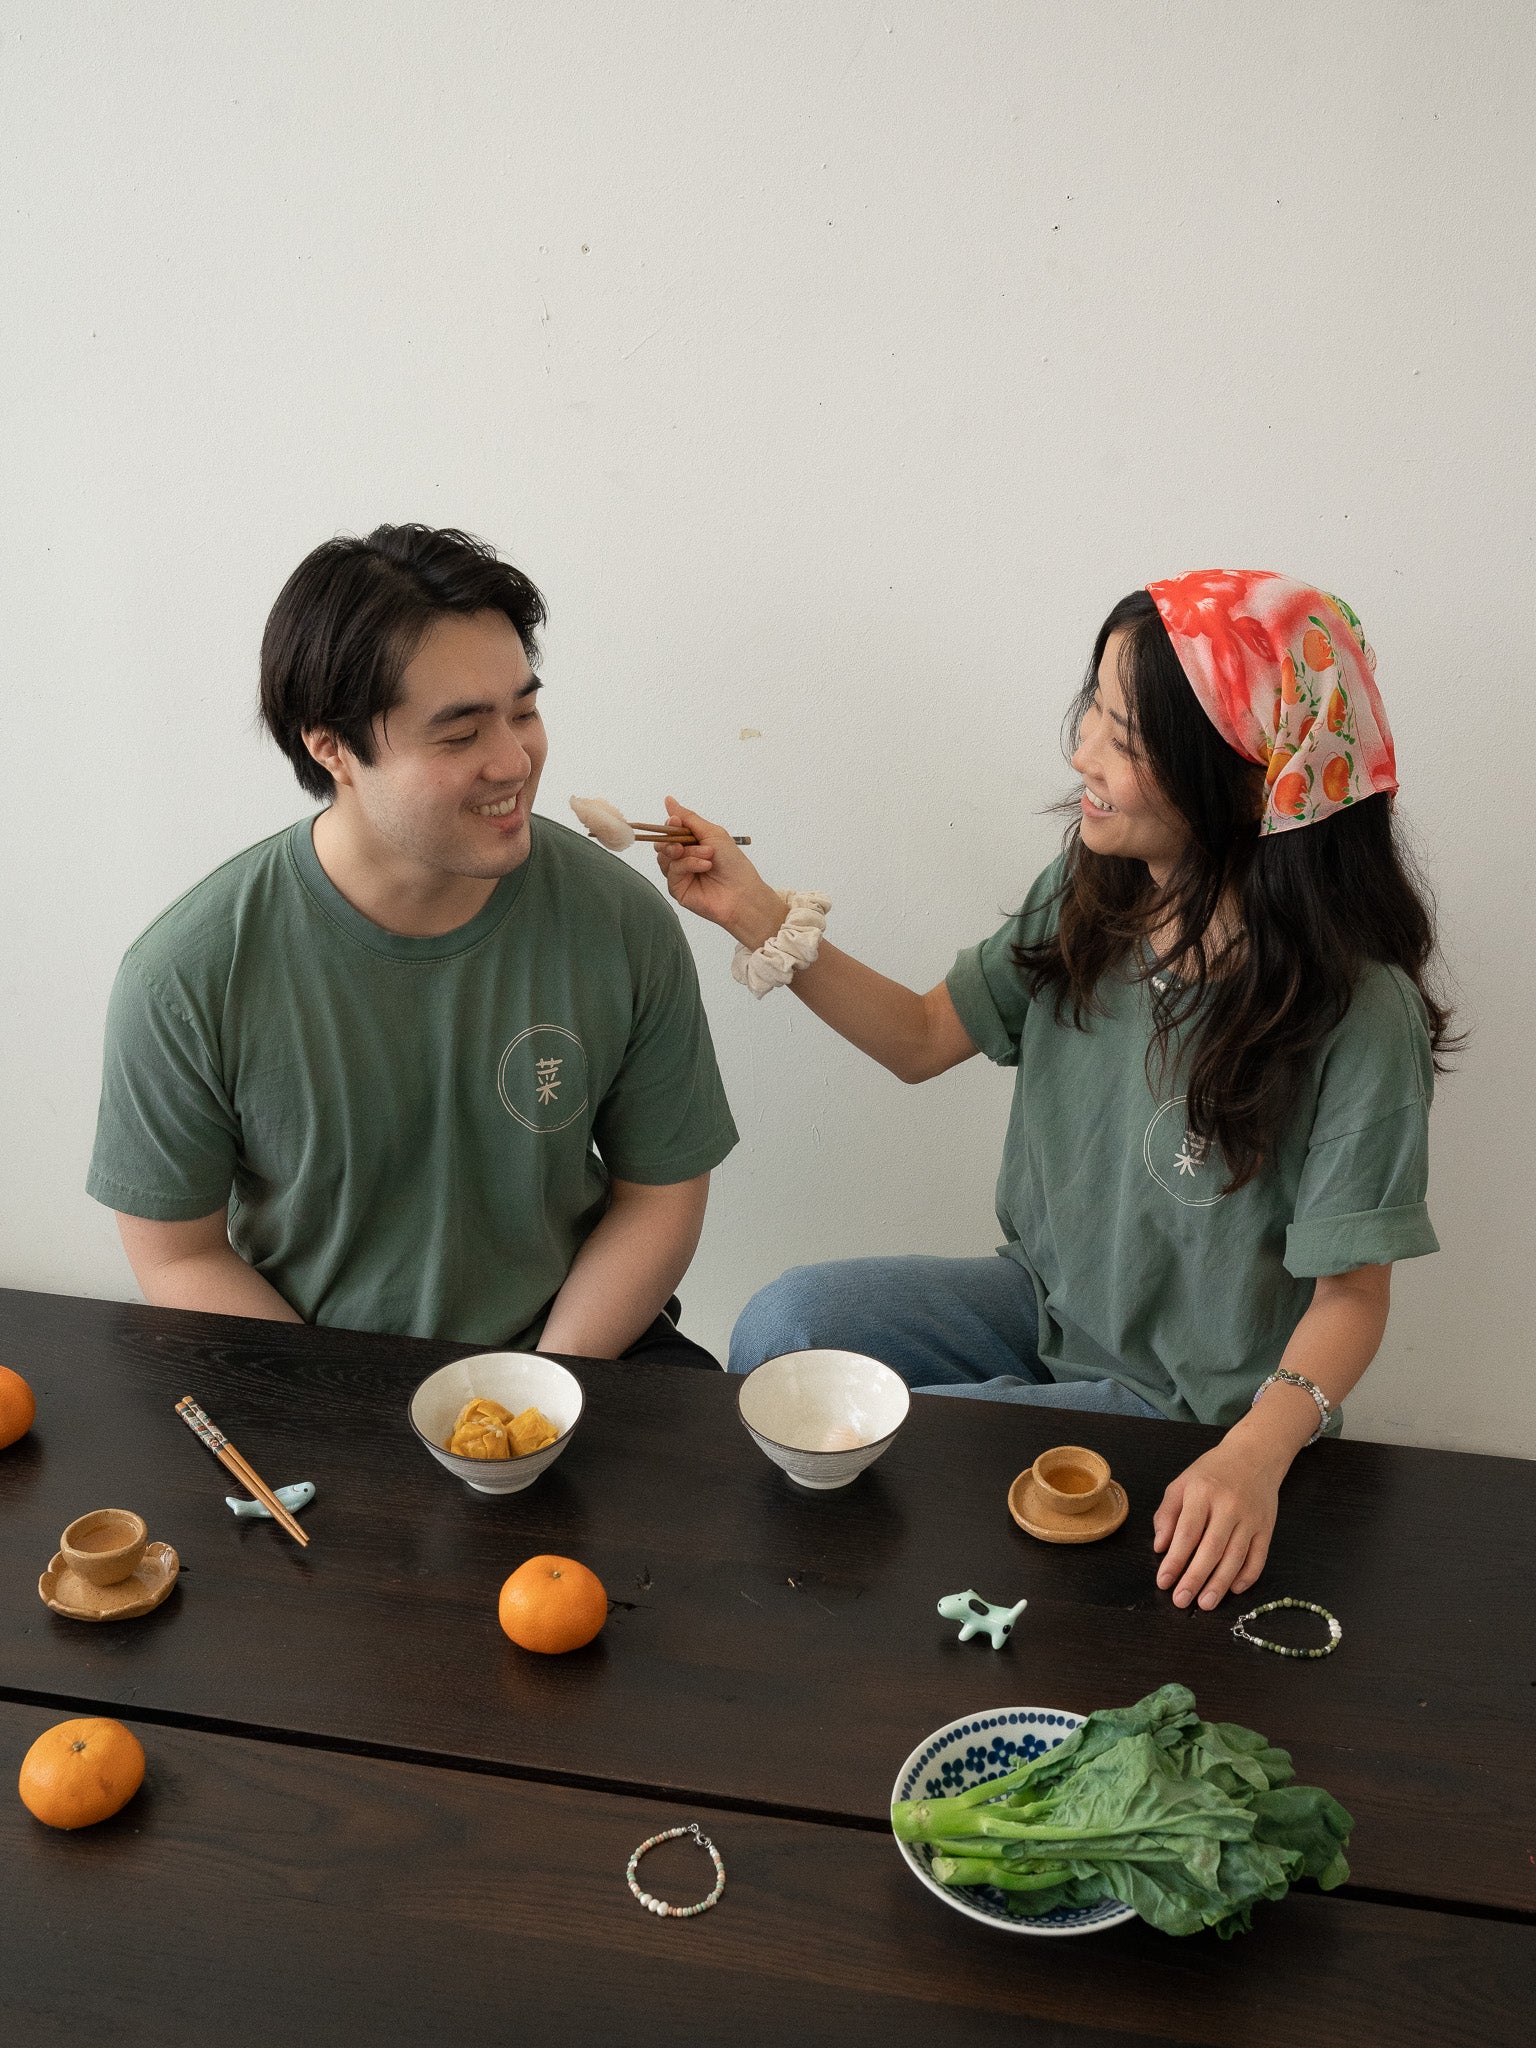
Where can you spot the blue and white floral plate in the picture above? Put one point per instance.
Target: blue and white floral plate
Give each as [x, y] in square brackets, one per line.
[972, 1751]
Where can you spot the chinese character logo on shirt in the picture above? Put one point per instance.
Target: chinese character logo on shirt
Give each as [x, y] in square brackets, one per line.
[1181, 1163]
[1190, 1156]
[543, 1080]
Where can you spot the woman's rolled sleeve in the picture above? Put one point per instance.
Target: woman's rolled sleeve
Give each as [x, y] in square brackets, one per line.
[977, 1007]
[1361, 1199]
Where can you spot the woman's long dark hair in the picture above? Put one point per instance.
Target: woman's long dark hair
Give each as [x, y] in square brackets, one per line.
[1242, 1005]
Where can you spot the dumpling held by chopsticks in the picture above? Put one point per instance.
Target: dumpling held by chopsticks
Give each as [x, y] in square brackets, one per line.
[605, 822]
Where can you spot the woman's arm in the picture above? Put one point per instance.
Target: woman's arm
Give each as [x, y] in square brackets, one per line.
[194, 1265]
[914, 1037]
[628, 1269]
[1216, 1519]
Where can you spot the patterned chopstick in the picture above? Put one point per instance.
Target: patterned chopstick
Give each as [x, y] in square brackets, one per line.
[208, 1431]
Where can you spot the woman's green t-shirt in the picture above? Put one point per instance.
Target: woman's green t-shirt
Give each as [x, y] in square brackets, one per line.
[1145, 1270]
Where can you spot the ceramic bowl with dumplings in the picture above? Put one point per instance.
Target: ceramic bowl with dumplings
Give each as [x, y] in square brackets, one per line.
[518, 1380]
[822, 1416]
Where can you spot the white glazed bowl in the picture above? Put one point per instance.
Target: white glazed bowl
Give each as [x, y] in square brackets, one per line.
[967, 1752]
[823, 1415]
[518, 1380]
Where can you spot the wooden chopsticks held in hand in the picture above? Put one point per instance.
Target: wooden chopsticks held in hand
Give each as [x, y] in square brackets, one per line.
[209, 1432]
[671, 835]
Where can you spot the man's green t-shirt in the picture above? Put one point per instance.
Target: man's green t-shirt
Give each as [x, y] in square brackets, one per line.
[413, 1135]
[1145, 1271]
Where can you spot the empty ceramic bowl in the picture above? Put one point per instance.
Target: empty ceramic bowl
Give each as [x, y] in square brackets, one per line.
[823, 1415]
[518, 1380]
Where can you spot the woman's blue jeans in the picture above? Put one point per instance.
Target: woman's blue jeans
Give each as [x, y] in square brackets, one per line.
[948, 1326]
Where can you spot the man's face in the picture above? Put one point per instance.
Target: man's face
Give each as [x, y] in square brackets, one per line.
[457, 762]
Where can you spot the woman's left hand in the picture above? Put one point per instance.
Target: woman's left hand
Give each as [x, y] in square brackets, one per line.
[1214, 1524]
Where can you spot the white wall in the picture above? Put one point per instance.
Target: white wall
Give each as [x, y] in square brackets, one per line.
[833, 368]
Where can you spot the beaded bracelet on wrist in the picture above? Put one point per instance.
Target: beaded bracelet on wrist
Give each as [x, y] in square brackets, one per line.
[1283, 1376]
[1335, 1631]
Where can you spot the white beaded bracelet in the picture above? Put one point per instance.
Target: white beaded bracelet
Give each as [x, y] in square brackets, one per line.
[795, 944]
[659, 1906]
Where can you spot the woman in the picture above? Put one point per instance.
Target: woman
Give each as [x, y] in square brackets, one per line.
[1219, 1006]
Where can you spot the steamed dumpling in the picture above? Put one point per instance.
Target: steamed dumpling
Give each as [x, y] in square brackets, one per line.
[481, 1431]
[606, 824]
[485, 1429]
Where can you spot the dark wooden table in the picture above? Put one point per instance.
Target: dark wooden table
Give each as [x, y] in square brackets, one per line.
[770, 1659]
[255, 1894]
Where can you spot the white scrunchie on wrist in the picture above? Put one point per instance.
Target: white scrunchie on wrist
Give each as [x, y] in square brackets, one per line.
[795, 944]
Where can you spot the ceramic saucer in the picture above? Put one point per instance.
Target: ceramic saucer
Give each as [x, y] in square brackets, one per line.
[1029, 1508]
[67, 1593]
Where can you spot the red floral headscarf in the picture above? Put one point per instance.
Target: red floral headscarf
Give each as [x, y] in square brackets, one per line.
[1286, 678]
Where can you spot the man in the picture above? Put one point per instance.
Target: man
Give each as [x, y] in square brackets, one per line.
[423, 1063]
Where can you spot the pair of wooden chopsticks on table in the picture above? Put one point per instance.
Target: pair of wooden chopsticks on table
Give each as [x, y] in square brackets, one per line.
[670, 835]
[210, 1434]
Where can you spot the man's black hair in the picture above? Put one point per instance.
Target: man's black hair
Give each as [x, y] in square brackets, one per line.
[352, 614]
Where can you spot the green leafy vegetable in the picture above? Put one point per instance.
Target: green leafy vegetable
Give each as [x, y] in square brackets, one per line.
[1190, 1822]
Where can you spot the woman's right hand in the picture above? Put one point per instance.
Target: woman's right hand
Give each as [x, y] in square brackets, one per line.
[914, 1037]
[716, 881]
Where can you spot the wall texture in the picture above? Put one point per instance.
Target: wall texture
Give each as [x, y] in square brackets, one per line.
[833, 367]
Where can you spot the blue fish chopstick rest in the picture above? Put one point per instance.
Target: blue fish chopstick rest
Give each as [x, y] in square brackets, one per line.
[980, 1617]
[292, 1497]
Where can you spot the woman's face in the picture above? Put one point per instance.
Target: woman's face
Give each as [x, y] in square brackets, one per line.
[1123, 811]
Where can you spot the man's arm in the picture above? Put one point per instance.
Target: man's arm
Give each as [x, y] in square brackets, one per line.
[628, 1269]
[194, 1265]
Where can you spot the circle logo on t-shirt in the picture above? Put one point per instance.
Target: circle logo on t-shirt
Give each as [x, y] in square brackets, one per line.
[542, 1078]
[1190, 1168]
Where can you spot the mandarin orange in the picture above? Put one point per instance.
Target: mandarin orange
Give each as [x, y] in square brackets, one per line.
[80, 1772]
[18, 1406]
[552, 1604]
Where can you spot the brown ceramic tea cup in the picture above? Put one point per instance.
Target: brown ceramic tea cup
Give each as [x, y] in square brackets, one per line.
[104, 1546]
[1071, 1479]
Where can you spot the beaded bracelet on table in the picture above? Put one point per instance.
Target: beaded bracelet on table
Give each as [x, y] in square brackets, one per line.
[660, 1906]
[1335, 1631]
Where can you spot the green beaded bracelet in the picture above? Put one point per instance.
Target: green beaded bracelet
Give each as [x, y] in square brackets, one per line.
[1335, 1632]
